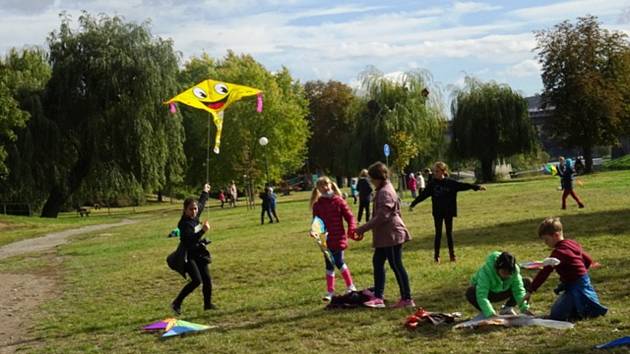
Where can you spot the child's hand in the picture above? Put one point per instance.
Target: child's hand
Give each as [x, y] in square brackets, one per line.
[527, 296]
[312, 234]
[206, 226]
[529, 313]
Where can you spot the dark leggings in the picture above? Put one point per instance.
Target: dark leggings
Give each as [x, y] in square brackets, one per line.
[262, 214]
[448, 222]
[337, 256]
[199, 274]
[364, 204]
[393, 255]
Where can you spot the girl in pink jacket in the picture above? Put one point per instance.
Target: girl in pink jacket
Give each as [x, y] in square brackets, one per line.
[328, 205]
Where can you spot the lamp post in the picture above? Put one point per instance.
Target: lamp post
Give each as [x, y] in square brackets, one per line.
[263, 141]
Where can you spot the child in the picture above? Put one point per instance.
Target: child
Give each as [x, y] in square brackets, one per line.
[353, 189]
[412, 184]
[196, 254]
[443, 193]
[389, 233]
[579, 299]
[497, 280]
[566, 173]
[222, 198]
[365, 195]
[327, 204]
[265, 196]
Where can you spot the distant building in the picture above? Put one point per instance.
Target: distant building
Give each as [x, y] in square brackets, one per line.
[539, 116]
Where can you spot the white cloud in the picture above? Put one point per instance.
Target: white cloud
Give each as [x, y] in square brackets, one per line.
[472, 7]
[570, 9]
[525, 68]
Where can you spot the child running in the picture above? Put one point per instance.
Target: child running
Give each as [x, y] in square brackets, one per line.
[443, 193]
[328, 205]
[579, 299]
[567, 175]
[388, 235]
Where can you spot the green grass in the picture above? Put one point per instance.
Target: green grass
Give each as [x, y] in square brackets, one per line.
[268, 279]
[622, 163]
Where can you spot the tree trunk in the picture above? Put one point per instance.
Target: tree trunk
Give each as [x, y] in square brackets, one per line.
[59, 194]
[487, 170]
[588, 158]
[53, 204]
[159, 196]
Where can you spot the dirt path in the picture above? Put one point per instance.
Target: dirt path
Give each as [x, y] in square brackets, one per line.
[22, 293]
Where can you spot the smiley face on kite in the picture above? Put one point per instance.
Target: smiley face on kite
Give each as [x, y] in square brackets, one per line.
[214, 97]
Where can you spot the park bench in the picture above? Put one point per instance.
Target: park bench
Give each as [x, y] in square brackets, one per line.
[84, 211]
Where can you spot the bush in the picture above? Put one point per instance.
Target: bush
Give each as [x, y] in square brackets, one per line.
[622, 163]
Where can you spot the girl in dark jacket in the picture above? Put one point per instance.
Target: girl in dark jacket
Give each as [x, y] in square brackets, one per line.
[443, 193]
[365, 195]
[196, 255]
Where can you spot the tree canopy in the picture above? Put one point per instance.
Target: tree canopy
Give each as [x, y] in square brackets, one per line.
[490, 121]
[585, 73]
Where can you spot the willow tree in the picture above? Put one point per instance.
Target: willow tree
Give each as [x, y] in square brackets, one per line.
[490, 121]
[585, 73]
[282, 122]
[104, 96]
[401, 113]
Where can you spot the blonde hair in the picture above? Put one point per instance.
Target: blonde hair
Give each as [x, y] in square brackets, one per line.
[363, 173]
[549, 226]
[442, 166]
[320, 182]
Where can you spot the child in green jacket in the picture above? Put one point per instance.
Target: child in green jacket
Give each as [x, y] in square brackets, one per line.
[499, 279]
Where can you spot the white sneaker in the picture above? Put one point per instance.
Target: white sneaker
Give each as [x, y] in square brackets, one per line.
[507, 310]
[328, 296]
[351, 288]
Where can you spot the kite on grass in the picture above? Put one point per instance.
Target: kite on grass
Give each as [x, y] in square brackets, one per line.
[550, 261]
[214, 97]
[318, 229]
[173, 327]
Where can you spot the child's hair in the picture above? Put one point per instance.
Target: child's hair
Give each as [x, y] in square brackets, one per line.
[378, 170]
[187, 202]
[549, 226]
[320, 182]
[442, 166]
[506, 261]
[363, 173]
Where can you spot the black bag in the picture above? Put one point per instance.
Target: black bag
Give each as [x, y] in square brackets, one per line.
[178, 259]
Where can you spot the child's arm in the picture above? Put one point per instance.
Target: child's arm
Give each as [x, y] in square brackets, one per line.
[426, 193]
[461, 186]
[519, 293]
[203, 198]
[586, 258]
[482, 289]
[540, 278]
[347, 215]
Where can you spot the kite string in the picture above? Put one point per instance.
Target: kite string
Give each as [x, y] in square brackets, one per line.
[208, 155]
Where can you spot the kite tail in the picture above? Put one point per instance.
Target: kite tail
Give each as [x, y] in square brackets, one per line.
[218, 122]
[259, 102]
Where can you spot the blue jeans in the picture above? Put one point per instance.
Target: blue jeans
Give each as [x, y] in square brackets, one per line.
[578, 300]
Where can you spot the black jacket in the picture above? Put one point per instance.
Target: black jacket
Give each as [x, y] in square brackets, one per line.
[192, 245]
[443, 195]
[364, 188]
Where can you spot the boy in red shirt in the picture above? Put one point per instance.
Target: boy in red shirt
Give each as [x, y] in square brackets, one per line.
[579, 299]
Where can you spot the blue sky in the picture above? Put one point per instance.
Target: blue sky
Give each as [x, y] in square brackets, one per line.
[323, 40]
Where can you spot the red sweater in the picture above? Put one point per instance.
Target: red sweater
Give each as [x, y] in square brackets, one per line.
[332, 211]
[574, 263]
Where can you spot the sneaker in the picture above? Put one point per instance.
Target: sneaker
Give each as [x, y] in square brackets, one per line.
[581, 206]
[453, 258]
[176, 308]
[479, 317]
[328, 296]
[507, 310]
[210, 307]
[351, 288]
[403, 303]
[375, 303]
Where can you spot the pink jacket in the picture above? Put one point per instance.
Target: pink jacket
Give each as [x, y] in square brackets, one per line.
[412, 184]
[332, 211]
[388, 228]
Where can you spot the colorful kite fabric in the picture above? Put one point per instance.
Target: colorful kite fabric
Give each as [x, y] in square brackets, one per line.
[214, 97]
[435, 318]
[318, 229]
[615, 343]
[550, 261]
[174, 327]
[514, 321]
[550, 169]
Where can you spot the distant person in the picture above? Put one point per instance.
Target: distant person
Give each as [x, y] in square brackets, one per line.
[567, 175]
[420, 182]
[196, 257]
[389, 233]
[579, 165]
[327, 204]
[265, 207]
[428, 175]
[272, 203]
[222, 198]
[498, 279]
[233, 192]
[443, 193]
[578, 299]
[353, 189]
[365, 195]
[412, 184]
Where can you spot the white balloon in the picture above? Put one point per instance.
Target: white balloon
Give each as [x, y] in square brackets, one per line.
[263, 141]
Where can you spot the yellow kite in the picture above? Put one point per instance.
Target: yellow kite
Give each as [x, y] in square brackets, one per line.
[214, 97]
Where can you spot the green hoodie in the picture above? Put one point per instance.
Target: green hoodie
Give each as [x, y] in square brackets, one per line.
[488, 280]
